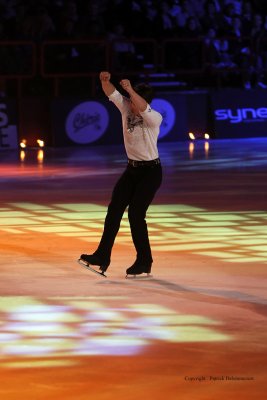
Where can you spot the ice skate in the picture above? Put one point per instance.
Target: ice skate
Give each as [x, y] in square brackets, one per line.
[88, 261]
[139, 269]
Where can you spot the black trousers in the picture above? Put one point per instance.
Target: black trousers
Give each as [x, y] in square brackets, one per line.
[135, 189]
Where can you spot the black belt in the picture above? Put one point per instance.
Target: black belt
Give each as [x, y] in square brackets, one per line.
[150, 163]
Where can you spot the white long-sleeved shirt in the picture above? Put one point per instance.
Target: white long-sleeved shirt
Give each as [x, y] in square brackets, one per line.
[140, 133]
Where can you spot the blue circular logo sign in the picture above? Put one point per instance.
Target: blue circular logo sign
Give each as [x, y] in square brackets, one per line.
[168, 113]
[87, 122]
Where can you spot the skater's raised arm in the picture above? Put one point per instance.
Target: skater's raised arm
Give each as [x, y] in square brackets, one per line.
[107, 86]
[139, 102]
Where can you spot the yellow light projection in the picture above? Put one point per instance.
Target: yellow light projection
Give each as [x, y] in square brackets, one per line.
[235, 237]
[57, 331]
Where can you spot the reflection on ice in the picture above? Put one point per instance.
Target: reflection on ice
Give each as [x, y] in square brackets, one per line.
[61, 328]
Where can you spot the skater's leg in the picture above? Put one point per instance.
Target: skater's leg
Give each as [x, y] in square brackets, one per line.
[145, 191]
[121, 195]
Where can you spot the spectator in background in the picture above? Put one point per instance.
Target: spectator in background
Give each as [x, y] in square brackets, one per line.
[92, 22]
[237, 5]
[121, 12]
[236, 27]
[211, 18]
[122, 20]
[193, 8]
[150, 14]
[123, 50]
[192, 29]
[257, 26]
[175, 8]
[227, 18]
[247, 17]
[191, 51]
[196, 8]
[68, 11]
[15, 24]
[212, 50]
[218, 5]
[240, 50]
[182, 16]
[217, 50]
[141, 19]
[165, 21]
[259, 40]
[62, 57]
[37, 25]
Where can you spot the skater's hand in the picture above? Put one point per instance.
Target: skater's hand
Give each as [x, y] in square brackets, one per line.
[138, 103]
[104, 76]
[107, 86]
[126, 85]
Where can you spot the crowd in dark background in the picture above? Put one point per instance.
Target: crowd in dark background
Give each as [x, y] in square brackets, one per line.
[47, 19]
[234, 32]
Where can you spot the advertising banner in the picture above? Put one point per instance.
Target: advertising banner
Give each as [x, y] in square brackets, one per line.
[8, 124]
[85, 121]
[173, 108]
[239, 113]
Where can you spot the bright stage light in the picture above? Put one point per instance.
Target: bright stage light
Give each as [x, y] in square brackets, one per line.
[191, 136]
[23, 144]
[199, 136]
[40, 143]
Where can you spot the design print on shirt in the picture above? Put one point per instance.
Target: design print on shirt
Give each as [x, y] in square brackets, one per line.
[133, 121]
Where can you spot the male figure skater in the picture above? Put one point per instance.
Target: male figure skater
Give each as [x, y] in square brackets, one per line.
[138, 184]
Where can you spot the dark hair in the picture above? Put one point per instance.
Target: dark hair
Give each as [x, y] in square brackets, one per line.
[146, 91]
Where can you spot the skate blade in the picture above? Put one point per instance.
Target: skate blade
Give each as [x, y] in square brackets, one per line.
[140, 277]
[88, 266]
